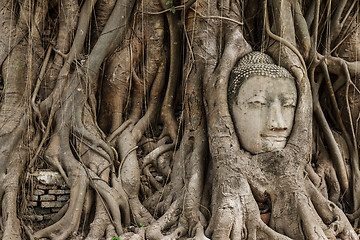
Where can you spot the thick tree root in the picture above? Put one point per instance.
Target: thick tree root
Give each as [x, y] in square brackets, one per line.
[154, 231]
[10, 221]
[239, 218]
[331, 214]
[100, 223]
[10, 178]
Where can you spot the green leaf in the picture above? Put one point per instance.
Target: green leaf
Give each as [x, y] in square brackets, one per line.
[168, 2]
[115, 238]
[172, 9]
[142, 225]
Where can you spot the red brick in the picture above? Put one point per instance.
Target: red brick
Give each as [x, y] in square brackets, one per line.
[39, 192]
[47, 197]
[54, 204]
[45, 187]
[59, 192]
[32, 204]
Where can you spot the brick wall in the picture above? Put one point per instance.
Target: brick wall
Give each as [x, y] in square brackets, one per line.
[50, 194]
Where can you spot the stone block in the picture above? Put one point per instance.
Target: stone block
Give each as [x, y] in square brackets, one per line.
[34, 198]
[48, 177]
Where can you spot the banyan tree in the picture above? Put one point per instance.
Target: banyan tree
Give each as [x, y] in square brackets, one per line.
[244, 108]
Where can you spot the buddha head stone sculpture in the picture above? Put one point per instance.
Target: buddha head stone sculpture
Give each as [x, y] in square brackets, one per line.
[262, 98]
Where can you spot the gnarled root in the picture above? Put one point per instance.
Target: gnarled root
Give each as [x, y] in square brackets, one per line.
[154, 231]
[237, 216]
[9, 214]
[331, 215]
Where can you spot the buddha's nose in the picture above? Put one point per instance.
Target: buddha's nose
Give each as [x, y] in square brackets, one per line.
[276, 118]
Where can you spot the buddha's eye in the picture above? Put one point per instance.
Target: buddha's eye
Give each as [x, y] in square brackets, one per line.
[257, 103]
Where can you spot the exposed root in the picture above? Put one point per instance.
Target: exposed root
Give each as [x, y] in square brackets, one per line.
[100, 223]
[59, 214]
[152, 157]
[331, 214]
[238, 218]
[113, 200]
[154, 231]
[151, 179]
[94, 142]
[11, 223]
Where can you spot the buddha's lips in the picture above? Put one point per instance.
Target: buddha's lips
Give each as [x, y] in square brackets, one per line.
[274, 138]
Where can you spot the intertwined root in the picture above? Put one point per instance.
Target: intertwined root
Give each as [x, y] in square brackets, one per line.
[239, 218]
[303, 213]
[9, 186]
[331, 214]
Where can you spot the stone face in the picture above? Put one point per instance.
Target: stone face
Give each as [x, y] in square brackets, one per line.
[262, 99]
[263, 113]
